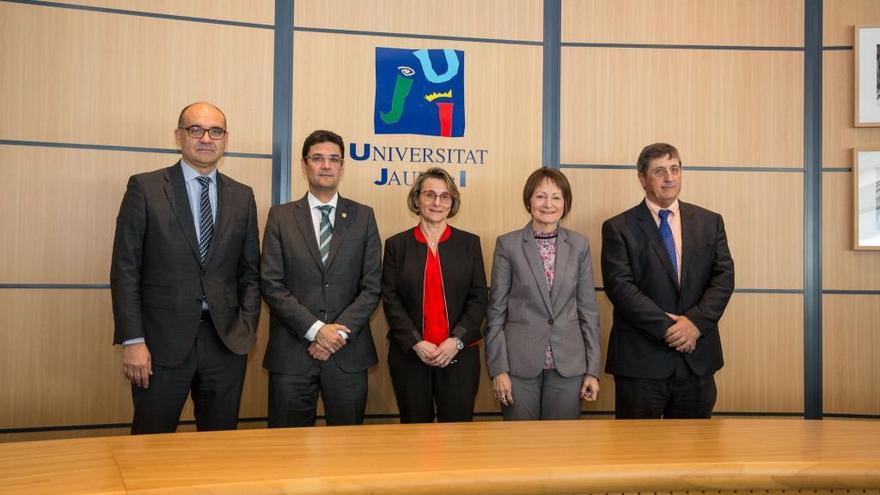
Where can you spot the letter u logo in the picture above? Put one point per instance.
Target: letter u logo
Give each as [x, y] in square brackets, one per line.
[428, 68]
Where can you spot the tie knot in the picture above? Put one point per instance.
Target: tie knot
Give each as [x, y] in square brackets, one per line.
[204, 181]
[663, 214]
[325, 209]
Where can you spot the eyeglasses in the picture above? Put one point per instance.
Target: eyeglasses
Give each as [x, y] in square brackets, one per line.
[320, 159]
[196, 132]
[431, 196]
[663, 172]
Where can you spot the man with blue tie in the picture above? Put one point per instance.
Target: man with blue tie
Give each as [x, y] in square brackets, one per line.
[185, 282]
[321, 276]
[667, 270]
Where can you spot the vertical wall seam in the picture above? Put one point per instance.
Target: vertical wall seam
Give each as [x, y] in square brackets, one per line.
[282, 101]
[552, 82]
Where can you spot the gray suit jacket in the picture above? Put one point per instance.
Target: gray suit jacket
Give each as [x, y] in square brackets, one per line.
[524, 316]
[299, 290]
[157, 280]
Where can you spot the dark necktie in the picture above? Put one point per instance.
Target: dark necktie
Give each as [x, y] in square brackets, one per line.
[666, 235]
[325, 233]
[206, 219]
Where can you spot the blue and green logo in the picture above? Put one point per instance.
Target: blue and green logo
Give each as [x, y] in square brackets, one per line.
[419, 92]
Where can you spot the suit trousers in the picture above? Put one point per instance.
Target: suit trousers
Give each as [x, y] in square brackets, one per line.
[293, 399]
[419, 387]
[211, 372]
[546, 396]
[684, 395]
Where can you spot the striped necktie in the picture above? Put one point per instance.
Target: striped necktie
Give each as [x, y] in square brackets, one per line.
[666, 234]
[206, 218]
[325, 232]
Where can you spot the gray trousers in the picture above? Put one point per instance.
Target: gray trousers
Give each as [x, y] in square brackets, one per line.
[546, 396]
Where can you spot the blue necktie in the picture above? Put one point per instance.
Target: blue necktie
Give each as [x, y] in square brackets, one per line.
[666, 235]
[206, 219]
[325, 232]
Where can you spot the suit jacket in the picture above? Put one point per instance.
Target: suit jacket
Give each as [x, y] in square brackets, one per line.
[299, 289]
[464, 286]
[642, 286]
[524, 316]
[157, 280]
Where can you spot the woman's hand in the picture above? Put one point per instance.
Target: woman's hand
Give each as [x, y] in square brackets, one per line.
[426, 351]
[590, 388]
[446, 352]
[503, 389]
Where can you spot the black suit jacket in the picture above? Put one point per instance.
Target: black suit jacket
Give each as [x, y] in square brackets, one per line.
[157, 280]
[299, 289]
[642, 286]
[464, 286]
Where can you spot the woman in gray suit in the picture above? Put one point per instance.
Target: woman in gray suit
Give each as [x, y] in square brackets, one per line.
[542, 336]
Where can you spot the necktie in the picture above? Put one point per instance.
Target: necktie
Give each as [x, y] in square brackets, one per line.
[666, 235]
[206, 219]
[325, 232]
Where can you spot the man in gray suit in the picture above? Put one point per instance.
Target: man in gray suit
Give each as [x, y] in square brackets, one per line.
[185, 282]
[321, 277]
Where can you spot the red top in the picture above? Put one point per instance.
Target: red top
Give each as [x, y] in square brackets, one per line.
[436, 322]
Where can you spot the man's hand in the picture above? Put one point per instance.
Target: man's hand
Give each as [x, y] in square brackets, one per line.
[683, 334]
[426, 351]
[590, 388]
[136, 364]
[329, 338]
[318, 352]
[446, 352]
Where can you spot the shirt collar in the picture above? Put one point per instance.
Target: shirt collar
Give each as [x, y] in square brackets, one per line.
[655, 209]
[190, 174]
[314, 202]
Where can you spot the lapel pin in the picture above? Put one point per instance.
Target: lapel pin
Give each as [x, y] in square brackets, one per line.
[344, 215]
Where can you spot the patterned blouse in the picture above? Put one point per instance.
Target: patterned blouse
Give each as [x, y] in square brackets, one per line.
[547, 251]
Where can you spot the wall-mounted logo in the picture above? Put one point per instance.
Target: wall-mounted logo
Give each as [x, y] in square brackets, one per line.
[419, 92]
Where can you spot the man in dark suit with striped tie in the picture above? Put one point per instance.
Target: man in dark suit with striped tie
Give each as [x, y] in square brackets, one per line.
[185, 282]
[668, 272]
[321, 277]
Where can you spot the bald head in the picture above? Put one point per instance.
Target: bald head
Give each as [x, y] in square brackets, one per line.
[199, 107]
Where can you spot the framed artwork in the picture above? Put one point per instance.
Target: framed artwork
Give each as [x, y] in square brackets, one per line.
[866, 199]
[867, 76]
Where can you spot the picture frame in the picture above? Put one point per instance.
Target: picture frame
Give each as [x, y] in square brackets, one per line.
[867, 76]
[866, 199]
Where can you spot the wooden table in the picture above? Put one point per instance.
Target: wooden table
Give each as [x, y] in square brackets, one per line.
[587, 456]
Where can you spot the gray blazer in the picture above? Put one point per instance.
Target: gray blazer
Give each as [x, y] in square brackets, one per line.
[524, 316]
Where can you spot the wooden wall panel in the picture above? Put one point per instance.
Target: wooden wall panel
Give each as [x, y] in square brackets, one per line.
[851, 354]
[840, 16]
[61, 205]
[691, 22]
[94, 78]
[730, 108]
[763, 342]
[755, 205]
[839, 137]
[498, 19]
[58, 365]
[253, 11]
[843, 267]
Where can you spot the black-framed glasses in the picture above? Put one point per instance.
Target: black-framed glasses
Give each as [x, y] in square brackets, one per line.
[196, 132]
[320, 159]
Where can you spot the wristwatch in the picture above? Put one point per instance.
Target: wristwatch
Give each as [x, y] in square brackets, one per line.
[459, 344]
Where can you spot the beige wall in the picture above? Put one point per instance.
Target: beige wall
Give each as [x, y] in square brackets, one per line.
[118, 81]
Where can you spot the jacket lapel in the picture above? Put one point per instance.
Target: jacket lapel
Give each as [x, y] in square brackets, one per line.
[533, 258]
[652, 234]
[563, 250]
[303, 216]
[175, 191]
[688, 234]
